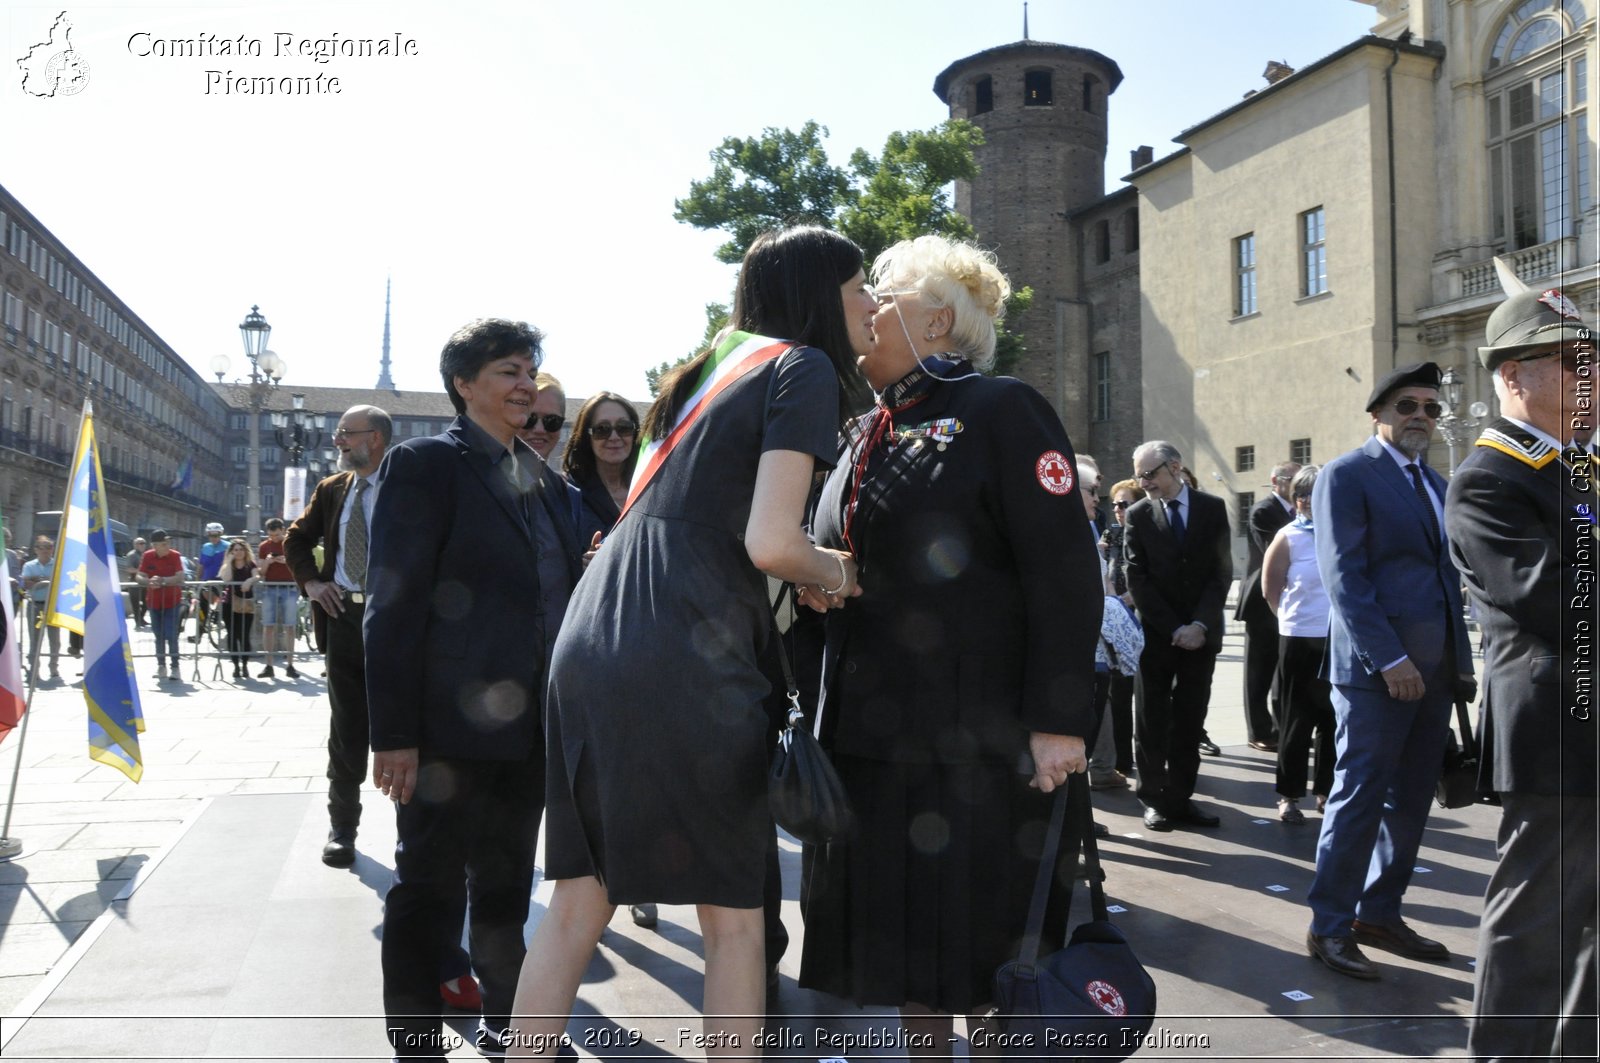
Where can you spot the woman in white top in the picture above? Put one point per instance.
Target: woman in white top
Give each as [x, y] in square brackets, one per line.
[1292, 585]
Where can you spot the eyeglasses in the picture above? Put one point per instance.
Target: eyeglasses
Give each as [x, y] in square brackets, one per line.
[1407, 407]
[1121, 505]
[603, 430]
[551, 422]
[1149, 475]
[890, 294]
[1572, 354]
[346, 433]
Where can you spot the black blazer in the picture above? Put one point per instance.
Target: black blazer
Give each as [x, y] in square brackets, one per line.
[1172, 587]
[1266, 517]
[981, 593]
[1520, 522]
[454, 651]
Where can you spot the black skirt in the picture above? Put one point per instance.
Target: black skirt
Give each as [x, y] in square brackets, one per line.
[930, 894]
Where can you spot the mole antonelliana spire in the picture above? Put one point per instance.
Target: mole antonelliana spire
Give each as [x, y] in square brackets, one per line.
[385, 381]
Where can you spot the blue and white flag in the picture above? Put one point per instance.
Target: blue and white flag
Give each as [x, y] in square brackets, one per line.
[184, 478]
[86, 598]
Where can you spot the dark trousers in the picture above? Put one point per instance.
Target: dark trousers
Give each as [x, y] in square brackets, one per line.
[476, 820]
[1535, 995]
[347, 728]
[1173, 694]
[1122, 718]
[1263, 703]
[1307, 708]
[238, 624]
[136, 600]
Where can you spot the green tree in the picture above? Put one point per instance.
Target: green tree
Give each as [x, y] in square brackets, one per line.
[716, 321]
[784, 177]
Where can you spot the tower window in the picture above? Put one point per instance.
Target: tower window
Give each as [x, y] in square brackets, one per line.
[1090, 83]
[1130, 230]
[1102, 386]
[1036, 88]
[983, 96]
[1102, 241]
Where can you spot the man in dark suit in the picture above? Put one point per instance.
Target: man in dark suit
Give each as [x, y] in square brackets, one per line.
[455, 652]
[1521, 518]
[1397, 658]
[1179, 556]
[1260, 625]
[339, 516]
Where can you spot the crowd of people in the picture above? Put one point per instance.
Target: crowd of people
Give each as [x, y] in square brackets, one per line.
[583, 645]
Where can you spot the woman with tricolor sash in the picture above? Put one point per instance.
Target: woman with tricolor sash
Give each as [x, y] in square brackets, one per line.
[656, 732]
[959, 689]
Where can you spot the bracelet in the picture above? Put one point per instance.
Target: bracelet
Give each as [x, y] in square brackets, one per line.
[844, 577]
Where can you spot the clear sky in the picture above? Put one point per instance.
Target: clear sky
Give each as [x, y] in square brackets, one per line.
[523, 162]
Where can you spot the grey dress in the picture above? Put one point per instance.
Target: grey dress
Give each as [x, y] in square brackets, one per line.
[656, 731]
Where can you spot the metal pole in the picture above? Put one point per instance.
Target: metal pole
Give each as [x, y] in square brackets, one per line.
[10, 847]
[252, 498]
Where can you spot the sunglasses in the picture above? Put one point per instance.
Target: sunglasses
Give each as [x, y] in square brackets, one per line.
[551, 422]
[1121, 505]
[1149, 474]
[1407, 407]
[603, 430]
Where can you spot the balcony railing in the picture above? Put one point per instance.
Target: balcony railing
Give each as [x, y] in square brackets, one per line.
[1531, 264]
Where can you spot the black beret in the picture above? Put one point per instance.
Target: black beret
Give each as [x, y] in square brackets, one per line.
[1415, 375]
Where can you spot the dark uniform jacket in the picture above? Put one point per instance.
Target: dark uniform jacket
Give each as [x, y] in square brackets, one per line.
[455, 656]
[1175, 585]
[1266, 517]
[981, 592]
[1521, 523]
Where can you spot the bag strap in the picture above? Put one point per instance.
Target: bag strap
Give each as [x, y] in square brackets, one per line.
[791, 688]
[1074, 798]
[1469, 742]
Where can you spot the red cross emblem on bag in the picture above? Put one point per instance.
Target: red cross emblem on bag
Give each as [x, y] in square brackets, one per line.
[1054, 472]
[1106, 997]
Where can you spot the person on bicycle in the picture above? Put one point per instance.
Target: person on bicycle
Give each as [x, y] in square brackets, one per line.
[212, 553]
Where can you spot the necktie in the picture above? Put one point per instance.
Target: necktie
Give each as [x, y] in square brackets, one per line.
[1427, 501]
[355, 538]
[1175, 519]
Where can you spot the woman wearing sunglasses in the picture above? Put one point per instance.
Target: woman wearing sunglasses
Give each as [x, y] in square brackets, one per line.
[601, 454]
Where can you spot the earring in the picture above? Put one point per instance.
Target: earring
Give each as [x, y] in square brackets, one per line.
[928, 337]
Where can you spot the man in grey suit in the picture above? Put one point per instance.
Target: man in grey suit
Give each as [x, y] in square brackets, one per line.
[1521, 517]
[1397, 658]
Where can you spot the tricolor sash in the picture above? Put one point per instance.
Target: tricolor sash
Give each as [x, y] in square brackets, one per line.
[736, 355]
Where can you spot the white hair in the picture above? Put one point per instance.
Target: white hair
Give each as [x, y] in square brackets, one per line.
[952, 274]
[1088, 468]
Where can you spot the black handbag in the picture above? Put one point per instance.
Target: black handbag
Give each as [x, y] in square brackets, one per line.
[1092, 999]
[1458, 780]
[804, 792]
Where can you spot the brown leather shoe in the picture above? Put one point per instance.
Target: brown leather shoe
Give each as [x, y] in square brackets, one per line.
[1341, 954]
[1401, 940]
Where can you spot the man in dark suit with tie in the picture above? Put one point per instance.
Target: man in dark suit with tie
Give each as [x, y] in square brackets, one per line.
[1397, 658]
[1260, 624]
[1521, 518]
[1179, 555]
[455, 652]
[339, 516]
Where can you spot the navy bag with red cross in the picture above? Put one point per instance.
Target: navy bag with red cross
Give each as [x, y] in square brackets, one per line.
[1092, 999]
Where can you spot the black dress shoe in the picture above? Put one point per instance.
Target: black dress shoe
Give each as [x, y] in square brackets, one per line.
[1154, 820]
[1210, 748]
[1265, 747]
[340, 850]
[1400, 940]
[1193, 815]
[289, 671]
[1341, 954]
[1102, 831]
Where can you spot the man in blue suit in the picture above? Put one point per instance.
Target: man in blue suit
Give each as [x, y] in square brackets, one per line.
[1397, 658]
[455, 632]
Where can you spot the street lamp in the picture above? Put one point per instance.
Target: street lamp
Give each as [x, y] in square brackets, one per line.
[1455, 428]
[266, 369]
[294, 437]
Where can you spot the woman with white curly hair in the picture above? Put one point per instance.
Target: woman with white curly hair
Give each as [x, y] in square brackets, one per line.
[958, 689]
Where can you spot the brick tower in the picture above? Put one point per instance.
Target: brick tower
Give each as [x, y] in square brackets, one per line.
[1042, 109]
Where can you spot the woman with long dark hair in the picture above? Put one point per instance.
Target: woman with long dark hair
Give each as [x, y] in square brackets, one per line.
[239, 571]
[601, 455]
[656, 732]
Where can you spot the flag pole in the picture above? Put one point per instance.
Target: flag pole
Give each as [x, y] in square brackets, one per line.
[11, 848]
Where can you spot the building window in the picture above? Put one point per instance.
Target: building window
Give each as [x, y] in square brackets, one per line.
[1244, 275]
[1036, 88]
[241, 455]
[1130, 230]
[1102, 386]
[1090, 84]
[239, 497]
[1244, 459]
[1313, 253]
[1101, 238]
[1247, 502]
[1540, 171]
[1300, 451]
[983, 96]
